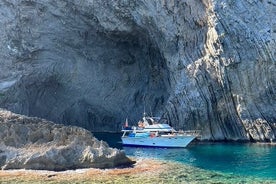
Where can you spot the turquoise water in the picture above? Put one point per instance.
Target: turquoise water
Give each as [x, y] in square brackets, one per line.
[241, 159]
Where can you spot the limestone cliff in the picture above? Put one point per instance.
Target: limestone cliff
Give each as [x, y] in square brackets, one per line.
[205, 64]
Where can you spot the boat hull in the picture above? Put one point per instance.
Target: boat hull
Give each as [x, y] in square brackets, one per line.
[166, 141]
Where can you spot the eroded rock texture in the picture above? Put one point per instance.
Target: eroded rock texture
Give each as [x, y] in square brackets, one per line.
[33, 143]
[207, 65]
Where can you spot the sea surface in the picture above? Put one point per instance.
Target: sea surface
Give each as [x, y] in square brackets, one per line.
[243, 160]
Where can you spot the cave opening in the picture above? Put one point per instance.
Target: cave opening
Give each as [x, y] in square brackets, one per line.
[124, 75]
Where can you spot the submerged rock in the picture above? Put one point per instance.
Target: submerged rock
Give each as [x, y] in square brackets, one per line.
[206, 64]
[33, 143]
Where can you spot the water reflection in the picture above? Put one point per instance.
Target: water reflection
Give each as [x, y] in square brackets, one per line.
[182, 155]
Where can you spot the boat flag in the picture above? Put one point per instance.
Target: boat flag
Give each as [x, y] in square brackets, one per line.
[126, 123]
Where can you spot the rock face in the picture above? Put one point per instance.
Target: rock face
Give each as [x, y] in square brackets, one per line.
[33, 143]
[207, 65]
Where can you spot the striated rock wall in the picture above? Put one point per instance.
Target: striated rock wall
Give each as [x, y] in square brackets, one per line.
[33, 143]
[207, 65]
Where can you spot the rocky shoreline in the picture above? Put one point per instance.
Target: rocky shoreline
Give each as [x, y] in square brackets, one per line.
[144, 171]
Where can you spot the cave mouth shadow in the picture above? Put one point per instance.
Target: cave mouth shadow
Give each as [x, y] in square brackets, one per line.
[137, 79]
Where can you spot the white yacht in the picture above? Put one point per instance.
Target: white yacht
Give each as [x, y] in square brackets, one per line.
[150, 132]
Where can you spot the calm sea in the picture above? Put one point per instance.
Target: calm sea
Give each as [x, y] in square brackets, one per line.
[241, 159]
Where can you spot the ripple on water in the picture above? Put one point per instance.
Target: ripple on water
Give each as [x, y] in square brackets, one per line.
[181, 173]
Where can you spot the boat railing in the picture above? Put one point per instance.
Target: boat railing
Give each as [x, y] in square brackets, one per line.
[190, 132]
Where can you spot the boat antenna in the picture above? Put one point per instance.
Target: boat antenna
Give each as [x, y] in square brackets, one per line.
[144, 114]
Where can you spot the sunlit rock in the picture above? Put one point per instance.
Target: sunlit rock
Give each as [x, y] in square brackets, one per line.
[33, 143]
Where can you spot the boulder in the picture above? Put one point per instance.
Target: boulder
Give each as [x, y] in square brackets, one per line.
[34, 143]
